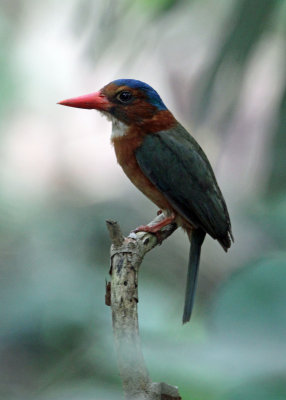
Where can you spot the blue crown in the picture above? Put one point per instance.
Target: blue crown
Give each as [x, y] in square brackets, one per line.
[152, 95]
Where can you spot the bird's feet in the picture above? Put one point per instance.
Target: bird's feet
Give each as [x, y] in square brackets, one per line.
[156, 227]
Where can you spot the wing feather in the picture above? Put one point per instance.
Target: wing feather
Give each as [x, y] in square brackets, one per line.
[175, 163]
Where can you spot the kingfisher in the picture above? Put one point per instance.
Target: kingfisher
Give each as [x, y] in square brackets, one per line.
[166, 164]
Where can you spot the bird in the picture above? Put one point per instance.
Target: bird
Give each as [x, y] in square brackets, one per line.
[164, 161]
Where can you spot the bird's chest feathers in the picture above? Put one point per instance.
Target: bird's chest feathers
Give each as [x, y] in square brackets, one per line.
[125, 147]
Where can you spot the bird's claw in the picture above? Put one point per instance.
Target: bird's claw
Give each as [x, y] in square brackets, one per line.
[149, 229]
[142, 228]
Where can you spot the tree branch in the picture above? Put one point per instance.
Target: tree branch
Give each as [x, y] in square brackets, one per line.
[126, 257]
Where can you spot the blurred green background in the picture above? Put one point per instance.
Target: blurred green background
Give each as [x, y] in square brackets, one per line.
[220, 67]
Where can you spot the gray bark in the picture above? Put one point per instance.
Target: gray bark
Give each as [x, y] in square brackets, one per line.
[126, 257]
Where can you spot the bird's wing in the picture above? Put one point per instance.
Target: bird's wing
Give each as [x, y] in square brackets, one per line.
[175, 163]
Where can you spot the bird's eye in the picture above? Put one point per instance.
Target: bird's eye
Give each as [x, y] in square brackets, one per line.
[124, 97]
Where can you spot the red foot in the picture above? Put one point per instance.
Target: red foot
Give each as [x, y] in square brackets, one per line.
[157, 227]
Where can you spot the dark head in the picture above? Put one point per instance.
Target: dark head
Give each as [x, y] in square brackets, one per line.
[128, 100]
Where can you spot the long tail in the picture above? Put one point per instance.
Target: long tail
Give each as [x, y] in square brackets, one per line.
[197, 237]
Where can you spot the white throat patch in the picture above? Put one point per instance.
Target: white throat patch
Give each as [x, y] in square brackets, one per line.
[119, 129]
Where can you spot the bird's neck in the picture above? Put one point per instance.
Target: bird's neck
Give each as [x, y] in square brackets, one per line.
[163, 120]
[119, 129]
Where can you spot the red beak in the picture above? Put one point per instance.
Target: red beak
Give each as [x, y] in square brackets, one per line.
[97, 101]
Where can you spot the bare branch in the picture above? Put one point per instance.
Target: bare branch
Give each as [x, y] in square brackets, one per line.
[126, 257]
[115, 233]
